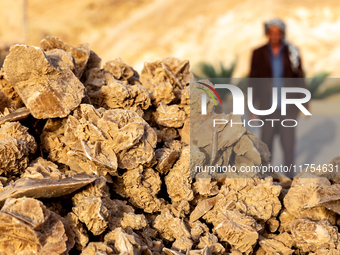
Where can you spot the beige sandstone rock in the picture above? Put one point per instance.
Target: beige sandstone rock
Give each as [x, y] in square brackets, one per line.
[303, 201]
[81, 237]
[172, 228]
[114, 166]
[141, 188]
[81, 53]
[312, 236]
[95, 248]
[170, 116]
[165, 159]
[27, 227]
[16, 145]
[273, 246]
[134, 221]
[122, 71]
[211, 241]
[97, 142]
[94, 207]
[16, 115]
[10, 98]
[171, 70]
[45, 187]
[239, 230]
[47, 90]
[178, 180]
[117, 95]
[125, 243]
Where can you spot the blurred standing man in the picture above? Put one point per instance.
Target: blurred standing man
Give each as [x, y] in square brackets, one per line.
[276, 59]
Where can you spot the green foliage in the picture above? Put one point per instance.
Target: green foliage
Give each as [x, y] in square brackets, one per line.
[227, 72]
[315, 84]
[207, 70]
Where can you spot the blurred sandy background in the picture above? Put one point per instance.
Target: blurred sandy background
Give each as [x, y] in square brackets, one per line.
[147, 30]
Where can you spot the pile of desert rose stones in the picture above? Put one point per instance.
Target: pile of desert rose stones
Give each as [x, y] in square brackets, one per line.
[96, 160]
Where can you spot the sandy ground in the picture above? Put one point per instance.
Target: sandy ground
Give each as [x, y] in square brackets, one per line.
[318, 136]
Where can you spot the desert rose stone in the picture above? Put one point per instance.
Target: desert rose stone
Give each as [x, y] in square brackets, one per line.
[48, 89]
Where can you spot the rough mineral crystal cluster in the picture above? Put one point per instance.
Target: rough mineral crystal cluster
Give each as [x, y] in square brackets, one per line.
[96, 160]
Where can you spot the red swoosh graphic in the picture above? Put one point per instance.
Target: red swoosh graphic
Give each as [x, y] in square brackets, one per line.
[211, 88]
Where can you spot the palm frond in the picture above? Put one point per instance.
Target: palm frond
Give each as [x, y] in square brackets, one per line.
[227, 72]
[207, 70]
[314, 85]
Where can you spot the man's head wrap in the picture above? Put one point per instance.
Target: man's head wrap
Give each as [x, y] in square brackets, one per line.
[294, 54]
[277, 23]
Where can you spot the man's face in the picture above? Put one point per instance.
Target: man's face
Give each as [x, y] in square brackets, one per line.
[274, 35]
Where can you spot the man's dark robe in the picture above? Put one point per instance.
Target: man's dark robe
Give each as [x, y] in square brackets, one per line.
[262, 94]
[261, 68]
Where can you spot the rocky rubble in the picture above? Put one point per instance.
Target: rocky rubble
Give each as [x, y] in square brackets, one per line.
[97, 160]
